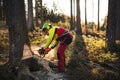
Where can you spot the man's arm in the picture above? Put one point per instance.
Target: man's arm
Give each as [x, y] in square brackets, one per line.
[51, 37]
[55, 42]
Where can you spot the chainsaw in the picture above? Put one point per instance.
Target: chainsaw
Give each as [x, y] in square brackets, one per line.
[42, 52]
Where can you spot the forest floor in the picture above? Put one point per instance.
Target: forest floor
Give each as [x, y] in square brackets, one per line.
[83, 70]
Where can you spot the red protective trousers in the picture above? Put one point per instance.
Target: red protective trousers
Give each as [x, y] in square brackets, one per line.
[61, 56]
[65, 40]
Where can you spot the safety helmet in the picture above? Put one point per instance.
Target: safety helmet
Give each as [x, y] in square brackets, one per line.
[46, 26]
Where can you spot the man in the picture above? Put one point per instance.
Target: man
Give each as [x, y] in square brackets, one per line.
[57, 34]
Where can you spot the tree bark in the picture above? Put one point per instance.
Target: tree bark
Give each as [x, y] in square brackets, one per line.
[78, 23]
[36, 12]
[30, 16]
[0, 11]
[118, 21]
[98, 15]
[18, 36]
[85, 16]
[71, 12]
[41, 14]
[111, 25]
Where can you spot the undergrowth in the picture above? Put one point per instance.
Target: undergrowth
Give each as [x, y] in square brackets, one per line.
[98, 51]
[36, 37]
[4, 43]
[94, 49]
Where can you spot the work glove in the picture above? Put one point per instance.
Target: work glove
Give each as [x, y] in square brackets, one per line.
[47, 50]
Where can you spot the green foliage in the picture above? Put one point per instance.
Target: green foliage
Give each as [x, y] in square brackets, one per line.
[64, 24]
[36, 36]
[72, 58]
[74, 61]
[54, 17]
[80, 63]
[97, 50]
[3, 42]
[91, 25]
[50, 15]
[78, 44]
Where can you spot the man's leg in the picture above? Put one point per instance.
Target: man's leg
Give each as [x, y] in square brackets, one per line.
[61, 56]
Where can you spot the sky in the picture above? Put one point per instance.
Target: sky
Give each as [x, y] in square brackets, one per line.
[92, 8]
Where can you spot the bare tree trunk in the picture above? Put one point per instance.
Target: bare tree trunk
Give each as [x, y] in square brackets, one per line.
[41, 14]
[118, 21]
[17, 30]
[92, 15]
[98, 15]
[78, 23]
[73, 14]
[71, 21]
[36, 12]
[0, 11]
[111, 25]
[30, 16]
[85, 16]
